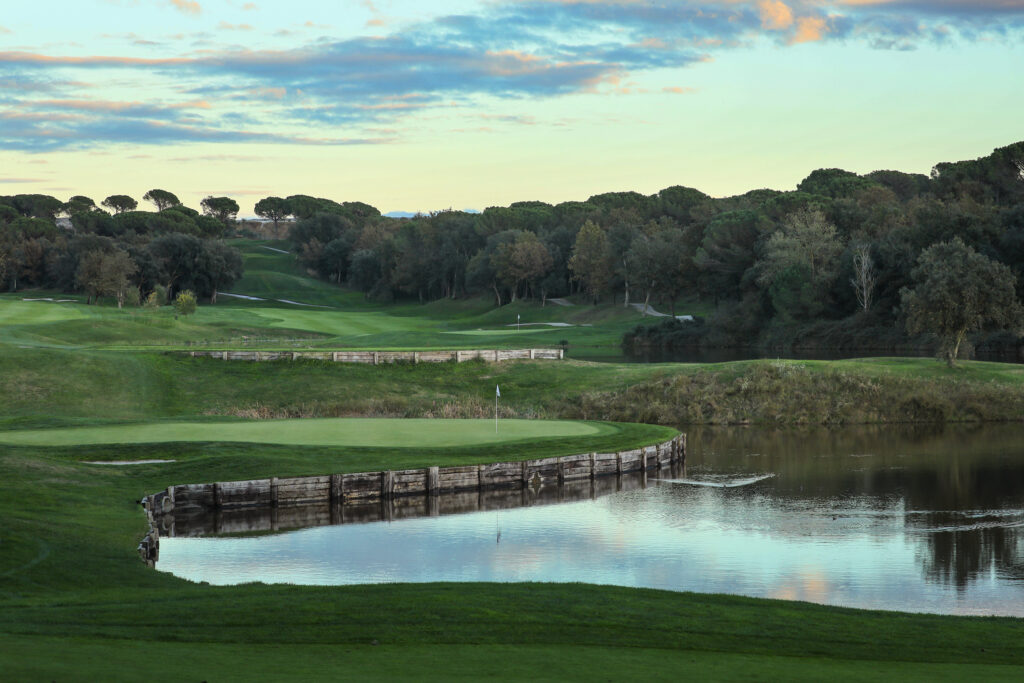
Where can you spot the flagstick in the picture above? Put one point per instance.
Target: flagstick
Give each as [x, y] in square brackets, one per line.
[495, 412]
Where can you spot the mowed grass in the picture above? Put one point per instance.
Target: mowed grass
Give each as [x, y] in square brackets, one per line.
[78, 605]
[337, 317]
[355, 432]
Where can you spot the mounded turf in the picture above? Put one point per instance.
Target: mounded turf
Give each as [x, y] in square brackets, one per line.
[353, 432]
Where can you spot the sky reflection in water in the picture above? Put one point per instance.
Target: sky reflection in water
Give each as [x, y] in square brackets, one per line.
[916, 520]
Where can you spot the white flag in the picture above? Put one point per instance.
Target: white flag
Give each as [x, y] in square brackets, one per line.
[497, 391]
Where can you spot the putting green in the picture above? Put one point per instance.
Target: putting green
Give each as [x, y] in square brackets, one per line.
[367, 432]
[507, 330]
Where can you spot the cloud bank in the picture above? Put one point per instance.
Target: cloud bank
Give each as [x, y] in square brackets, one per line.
[528, 49]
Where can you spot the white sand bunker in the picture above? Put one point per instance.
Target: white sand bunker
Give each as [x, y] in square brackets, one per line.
[126, 462]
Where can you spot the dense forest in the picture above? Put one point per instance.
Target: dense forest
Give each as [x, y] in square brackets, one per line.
[830, 263]
[132, 256]
[826, 264]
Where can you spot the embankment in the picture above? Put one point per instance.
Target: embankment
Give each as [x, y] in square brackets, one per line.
[362, 488]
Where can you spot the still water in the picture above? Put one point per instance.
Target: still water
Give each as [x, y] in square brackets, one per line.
[915, 519]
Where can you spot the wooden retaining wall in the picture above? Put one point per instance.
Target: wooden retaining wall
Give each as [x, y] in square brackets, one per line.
[246, 520]
[384, 357]
[374, 487]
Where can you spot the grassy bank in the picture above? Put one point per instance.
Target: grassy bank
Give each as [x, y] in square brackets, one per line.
[79, 605]
[62, 387]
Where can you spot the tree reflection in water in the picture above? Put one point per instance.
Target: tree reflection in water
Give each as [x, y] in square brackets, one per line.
[960, 484]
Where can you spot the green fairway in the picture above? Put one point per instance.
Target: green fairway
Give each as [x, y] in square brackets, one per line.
[354, 432]
[323, 316]
[14, 312]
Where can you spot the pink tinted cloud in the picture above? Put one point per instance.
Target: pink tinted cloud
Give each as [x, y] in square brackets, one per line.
[775, 14]
[187, 6]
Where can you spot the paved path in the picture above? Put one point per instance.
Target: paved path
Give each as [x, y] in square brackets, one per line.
[256, 298]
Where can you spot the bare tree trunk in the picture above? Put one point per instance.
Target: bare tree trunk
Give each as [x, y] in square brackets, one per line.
[863, 280]
[647, 302]
[953, 353]
[497, 294]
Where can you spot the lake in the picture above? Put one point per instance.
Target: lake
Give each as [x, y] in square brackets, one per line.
[927, 519]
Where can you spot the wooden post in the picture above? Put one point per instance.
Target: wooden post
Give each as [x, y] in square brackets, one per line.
[336, 494]
[533, 354]
[387, 485]
[522, 476]
[593, 457]
[273, 491]
[415, 357]
[216, 496]
[618, 463]
[376, 358]
[433, 480]
[561, 472]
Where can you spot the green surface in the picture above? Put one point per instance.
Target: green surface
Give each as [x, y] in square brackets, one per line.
[336, 318]
[356, 432]
[79, 605]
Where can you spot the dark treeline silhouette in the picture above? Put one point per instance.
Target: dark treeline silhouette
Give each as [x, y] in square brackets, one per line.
[130, 255]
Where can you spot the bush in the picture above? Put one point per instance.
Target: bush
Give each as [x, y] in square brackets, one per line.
[185, 302]
[132, 296]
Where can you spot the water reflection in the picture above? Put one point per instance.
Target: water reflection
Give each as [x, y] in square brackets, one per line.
[918, 519]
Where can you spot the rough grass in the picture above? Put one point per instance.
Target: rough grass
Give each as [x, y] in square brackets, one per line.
[55, 387]
[825, 393]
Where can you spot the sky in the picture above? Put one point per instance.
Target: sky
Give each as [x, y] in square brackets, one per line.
[412, 105]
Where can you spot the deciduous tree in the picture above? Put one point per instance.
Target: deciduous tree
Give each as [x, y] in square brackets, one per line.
[590, 263]
[956, 291]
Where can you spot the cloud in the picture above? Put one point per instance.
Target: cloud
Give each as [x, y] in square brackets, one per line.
[513, 50]
[187, 6]
[4, 30]
[22, 180]
[234, 27]
[809, 29]
[775, 15]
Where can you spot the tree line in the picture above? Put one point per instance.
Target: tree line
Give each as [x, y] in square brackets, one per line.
[122, 252]
[834, 258]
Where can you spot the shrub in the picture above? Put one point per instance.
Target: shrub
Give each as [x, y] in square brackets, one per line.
[185, 302]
